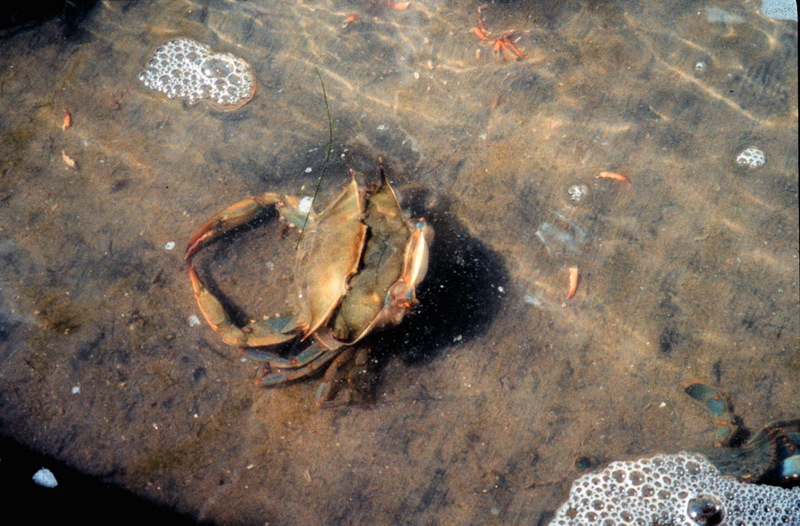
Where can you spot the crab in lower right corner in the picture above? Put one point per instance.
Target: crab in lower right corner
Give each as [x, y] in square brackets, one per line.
[771, 456]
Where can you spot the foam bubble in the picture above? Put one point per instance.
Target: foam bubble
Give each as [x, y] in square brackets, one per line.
[752, 157]
[186, 69]
[683, 489]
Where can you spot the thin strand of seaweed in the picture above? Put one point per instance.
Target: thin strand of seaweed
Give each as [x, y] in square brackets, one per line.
[324, 163]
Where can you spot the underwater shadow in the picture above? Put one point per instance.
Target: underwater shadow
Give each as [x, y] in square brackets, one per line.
[16, 17]
[77, 496]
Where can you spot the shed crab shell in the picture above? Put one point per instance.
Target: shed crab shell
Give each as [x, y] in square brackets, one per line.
[328, 256]
[357, 267]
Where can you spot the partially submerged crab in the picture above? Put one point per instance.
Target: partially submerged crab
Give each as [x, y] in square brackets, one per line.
[771, 456]
[357, 267]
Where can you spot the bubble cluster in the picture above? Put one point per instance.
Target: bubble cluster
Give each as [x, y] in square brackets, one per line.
[752, 157]
[186, 69]
[576, 192]
[681, 490]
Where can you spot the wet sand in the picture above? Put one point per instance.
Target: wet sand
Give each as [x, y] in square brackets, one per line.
[485, 397]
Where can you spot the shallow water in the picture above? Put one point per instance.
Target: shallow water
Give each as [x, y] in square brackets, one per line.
[491, 391]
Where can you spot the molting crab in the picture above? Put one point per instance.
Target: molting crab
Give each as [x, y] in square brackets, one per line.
[357, 266]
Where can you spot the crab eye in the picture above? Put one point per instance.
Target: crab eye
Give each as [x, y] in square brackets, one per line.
[790, 467]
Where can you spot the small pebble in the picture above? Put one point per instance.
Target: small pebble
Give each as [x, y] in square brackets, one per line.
[194, 321]
[45, 478]
[304, 206]
[76, 390]
[170, 245]
[532, 300]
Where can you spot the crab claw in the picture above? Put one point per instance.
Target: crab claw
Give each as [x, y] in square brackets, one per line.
[240, 214]
[267, 332]
[416, 263]
[403, 294]
[214, 312]
[235, 216]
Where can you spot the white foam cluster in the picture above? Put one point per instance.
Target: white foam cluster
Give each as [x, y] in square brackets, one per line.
[682, 489]
[752, 157]
[184, 68]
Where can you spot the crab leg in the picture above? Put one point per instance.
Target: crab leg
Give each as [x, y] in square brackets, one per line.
[720, 412]
[325, 389]
[281, 376]
[359, 377]
[279, 362]
[271, 331]
[324, 342]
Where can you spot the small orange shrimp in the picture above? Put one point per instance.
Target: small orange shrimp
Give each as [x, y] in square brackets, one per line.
[480, 33]
[503, 43]
[509, 46]
[615, 176]
[67, 122]
[349, 20]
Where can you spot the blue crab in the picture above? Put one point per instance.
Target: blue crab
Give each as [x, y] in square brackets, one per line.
[771, 456]
[357, 267]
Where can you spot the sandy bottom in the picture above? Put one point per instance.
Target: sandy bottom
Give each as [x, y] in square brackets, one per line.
[488, 394]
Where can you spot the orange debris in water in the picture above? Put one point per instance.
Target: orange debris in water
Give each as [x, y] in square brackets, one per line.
[573, 282]
[615, 176]
[69, 161]
[349, 20]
